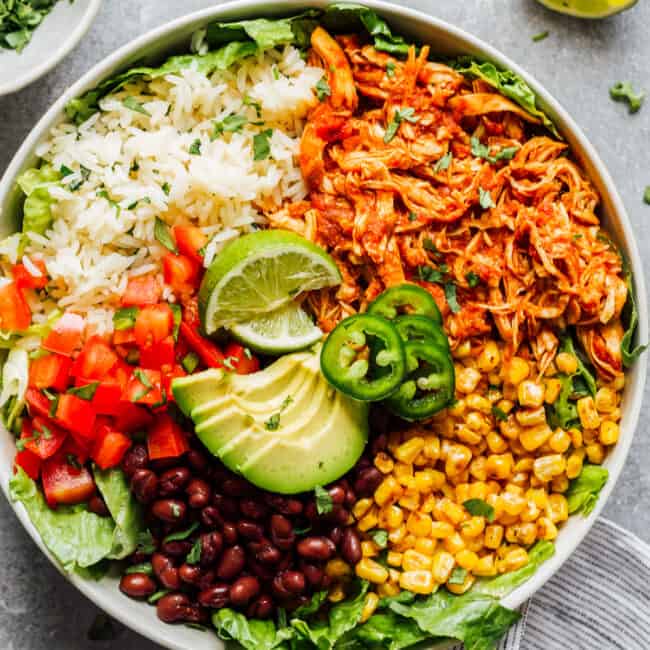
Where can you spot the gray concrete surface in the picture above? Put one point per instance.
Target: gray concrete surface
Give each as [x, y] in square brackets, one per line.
[579, 60]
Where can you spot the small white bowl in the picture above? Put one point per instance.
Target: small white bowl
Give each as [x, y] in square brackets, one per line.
[445, 39]
[53, 39]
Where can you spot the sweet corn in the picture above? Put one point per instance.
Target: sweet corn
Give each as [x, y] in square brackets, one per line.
[566, 363]
[576, 437]
[431, 447]
[369, 548]
[392, 516]
[397, 535]
[408, 451]
[560, 483]
[369, 606]
[337, 569]
[552, 390]
[441, 530]
[467, 380]
[466, 559]
[499, 466]
[361, 507]
[479, 403]
[530, 393]
[546, 529]
[394, 558]
[587, 413]
[410, 500]
[558, 508]
[462, 588]
[510, 428]
[336, 594]
[419, 524]
[595, 453]
[473, 527]
[489, 358]
[403, 472]
[530, 513]
[462, 492]
[425, 545]
[388, 489]
[368, 521]
[496, 444]
[388, 589]
[531, 417]
[454, 543]
[452, 512]
[462, 350]
[458, 458]
[493, 536]
[514, 559]
[524, 533]
[458, 408]
[384, 463]
[485, 566]
[512, 504]
[532, 438]
[574, 463]
[605, 400]
[609, 432]
[442, 566]
[419, 582]
[412, 560]
[548, 467]
[371, 571]
[478, 490]
[516, 371]
[468, 436]
[478, 468]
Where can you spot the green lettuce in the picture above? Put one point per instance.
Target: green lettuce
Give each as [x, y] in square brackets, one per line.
[81, 108]
[9, 339]
[386, 630]
[583, 491]
[629, 352]
[252, 634]
[77, 537]
[506, 82]
[584, 381]
[35, 184]
[124, 509]
[15, 377]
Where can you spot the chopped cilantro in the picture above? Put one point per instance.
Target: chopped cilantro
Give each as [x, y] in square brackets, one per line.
[624, 92]
[262, 145]
[324, 503]
[536, 38]
[163, 234]
[166, 188]
[86, 392]
[401, 115]
[134, 105]
[485, 199]
[481, 150]
[323, 90]
[65, 171]
[230, 124]
[390, 69]
[412, 216]
[443, 163]
[85, 174]
[479, 508]
[429, 274]
[457, 576]
[273, 423]
[194, 556]
[472, 279]
[195, 147]
[499, 414]
[646, 195]
[450, 295]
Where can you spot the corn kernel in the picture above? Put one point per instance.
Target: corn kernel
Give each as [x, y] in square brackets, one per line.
[489, 358]
[397, 535]
[477, 490]
[510, 392]
[566, 363]
[361, 507]
[336, 594]
[407, 543]
[479, 403]
[431, 447]
[605, 400]
[609, 432]
[468, 436]
[496, 444]
[514, 559]
[442, 566]
[462, 492]
[530, 513]
[371, 571]
[499, 466]
[388, 489]
[408, 450]
[576, 437]
[425, 545]
[548, 467]
[524, 464]
[458, 458]
[466, 559]
[485, 566]
[410, 500]
[337, 569]
[369, 606]
[388, 590]
[495, 378]
[441, 529]
[412, 560]
[467, 380]
[589, 436]
[478, 468]
[516, 371]
[546, 529]
[462, 350]
[512, 504]
[510, 428]
[419, 582]
[458, 408]
[560, 441]
[531, 417]
[552, 390]
[369, 548]
[595, 453]
[419, 524]
[384, 463]
[558, 508]
[524, 533]
[560, 483]
[403, 472]
[587, 413]
[368, 521]
[493, 536]
[454, 544]
[530, 393]
[538, 496]
[392, 516]
[532, 438]
[473, 527]
[428, 504]
[394, 559]
[574, 463]
[462, 588]
[474, 544]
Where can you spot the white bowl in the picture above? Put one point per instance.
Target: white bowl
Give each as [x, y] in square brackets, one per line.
[446, 39]
[53, 39]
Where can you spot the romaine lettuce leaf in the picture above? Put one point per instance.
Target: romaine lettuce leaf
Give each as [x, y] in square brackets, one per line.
[583, 491]
[386, 630]
[15, 377]
[505, 81]
[37, 210]
[252, 634]
[629, 352]
[77, 537]
[124, 509]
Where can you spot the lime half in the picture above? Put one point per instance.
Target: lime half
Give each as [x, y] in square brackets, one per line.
[259, 274]
[588, 8]
[285, 330]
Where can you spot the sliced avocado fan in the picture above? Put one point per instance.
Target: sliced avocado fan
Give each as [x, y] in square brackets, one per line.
[588, 8]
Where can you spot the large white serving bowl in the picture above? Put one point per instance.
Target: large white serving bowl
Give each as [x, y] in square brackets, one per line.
[445, 39]
[52, 40]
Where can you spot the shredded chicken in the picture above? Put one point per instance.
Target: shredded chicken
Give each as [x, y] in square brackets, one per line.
[416, 174]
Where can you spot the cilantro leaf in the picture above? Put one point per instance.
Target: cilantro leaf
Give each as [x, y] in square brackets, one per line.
[86, 392]
[536, 38]
[134, 105]
[443, 163]
[262, 144]
[324, 503]
[194, 556]
[163, 234]
[195, 148]
[390, 69]
[450, 295]
[485, 199]
[323, 90]
[624, 92]
[499, 414]
[473, 280]
[646, 195]
[479, 508]
[406, 114]
[230, 124]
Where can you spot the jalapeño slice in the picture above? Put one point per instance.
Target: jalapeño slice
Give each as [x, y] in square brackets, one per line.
[405, 299]
[429, 384]
[421, 328]
[364, 358]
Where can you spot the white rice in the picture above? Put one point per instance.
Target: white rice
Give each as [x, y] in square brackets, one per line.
[95, 245]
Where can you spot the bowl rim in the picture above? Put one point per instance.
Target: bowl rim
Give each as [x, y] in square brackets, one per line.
[59, 54]
[617, 214]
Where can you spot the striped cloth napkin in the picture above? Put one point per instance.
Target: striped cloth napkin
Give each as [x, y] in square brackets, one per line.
[598, 600]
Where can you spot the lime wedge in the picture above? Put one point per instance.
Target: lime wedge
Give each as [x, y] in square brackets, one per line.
[284, 330]
[588, 8]
[259, 274]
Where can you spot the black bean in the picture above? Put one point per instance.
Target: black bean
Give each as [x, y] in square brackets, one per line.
[169, 510]
[198, 493]
[135, 458]
[144, 485]
[172, 481]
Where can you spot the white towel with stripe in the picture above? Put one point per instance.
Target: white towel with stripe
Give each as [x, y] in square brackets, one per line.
[598, 600]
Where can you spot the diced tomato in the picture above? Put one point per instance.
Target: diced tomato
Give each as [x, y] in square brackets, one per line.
[241, 359]
[191, 312]
[50, 371]
[190, 241]
[65, 336]
[25, 280]
[144, 387]
[37, 403]
[158, 354]
[181, 273]
[30, 462]
[153, 324]
[42, 437]
[95, 360]
[208, 352]
[15, 314]
[64, 483]
[76, 415]
[132, 418]
[168, 377]
[124, 337]
[166, 439]
[106, 400]
[110, 448]
[142, 290]
[77, 448]
[121, 372]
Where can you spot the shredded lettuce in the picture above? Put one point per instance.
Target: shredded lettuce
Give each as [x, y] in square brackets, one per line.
[386, 630]
[35, 184]
[15, 377]
[584, 379]
[124, 509]
[77, 537]
[37, 330]
[629, 352]
[12, 247]
[506, 82]
[583, 491]
[252, 634]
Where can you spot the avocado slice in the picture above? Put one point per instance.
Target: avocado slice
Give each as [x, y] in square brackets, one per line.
[588, 8]
[285, 429]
